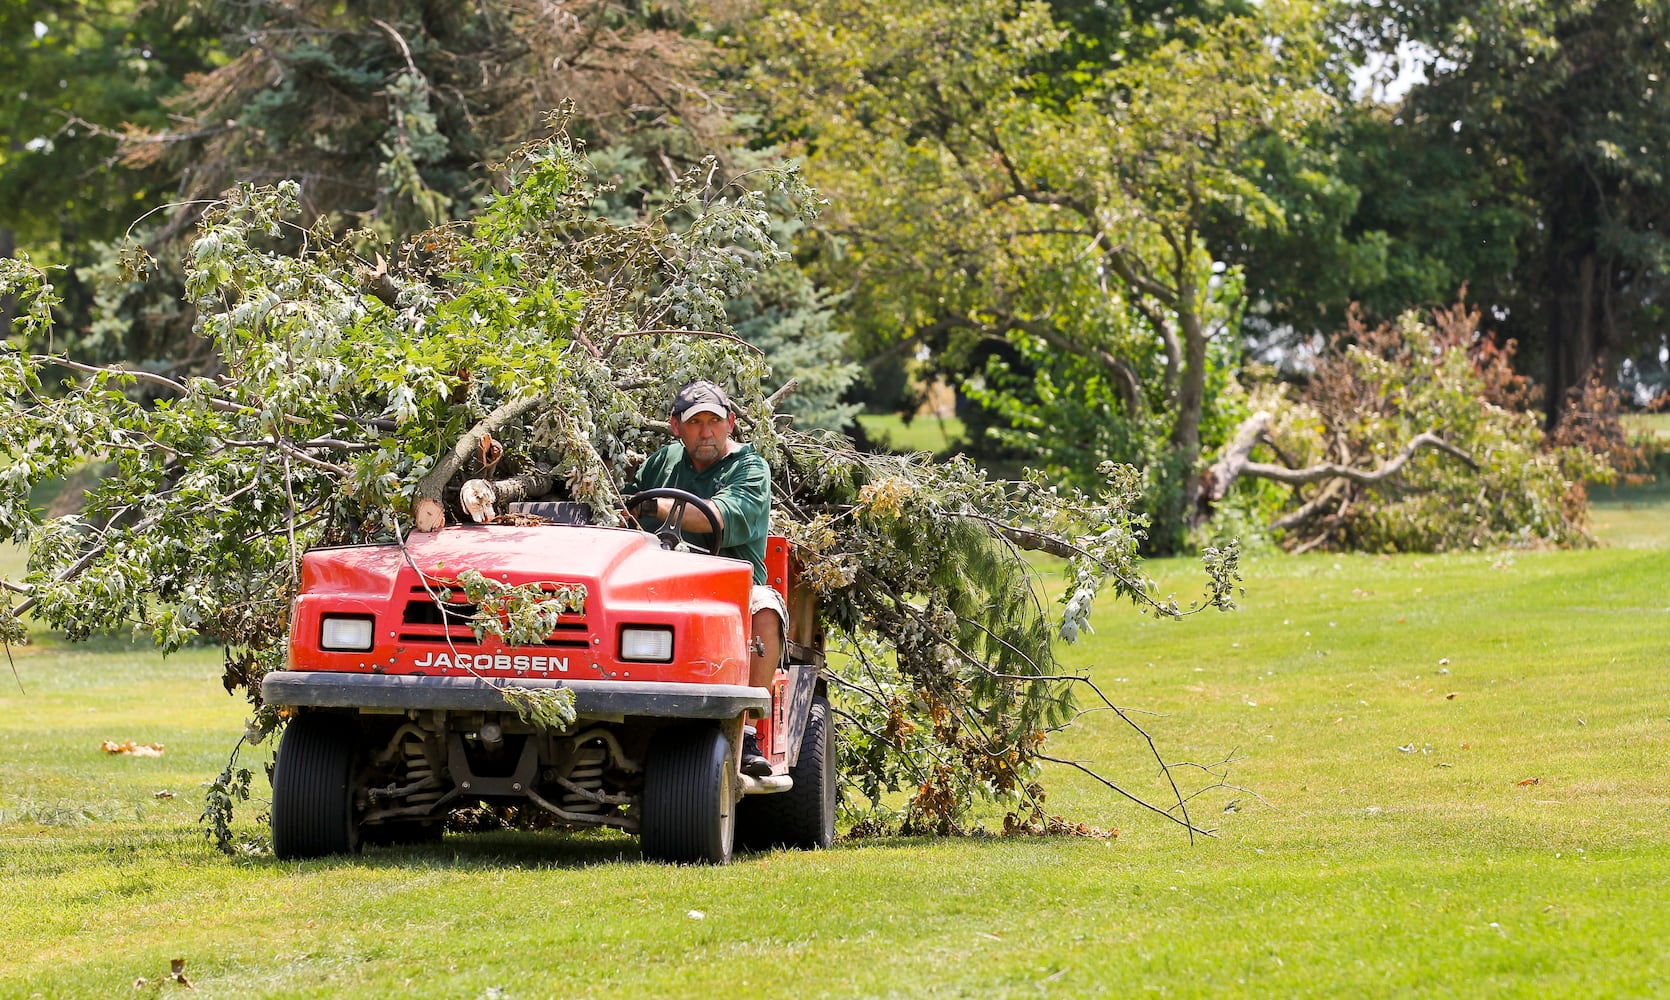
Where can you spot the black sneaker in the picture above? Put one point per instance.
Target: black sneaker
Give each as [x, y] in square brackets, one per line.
[754, 764]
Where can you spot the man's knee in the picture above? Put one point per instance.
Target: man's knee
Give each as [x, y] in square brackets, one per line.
[769, 614]
[768, 620]
[767, 631]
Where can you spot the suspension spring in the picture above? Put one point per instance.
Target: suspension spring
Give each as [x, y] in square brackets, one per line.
[419, 770]
[588, 774]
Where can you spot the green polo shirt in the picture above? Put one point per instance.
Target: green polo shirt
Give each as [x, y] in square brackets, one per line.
[739, 485]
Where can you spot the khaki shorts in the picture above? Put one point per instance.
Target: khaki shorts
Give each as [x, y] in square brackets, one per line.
[767, 597]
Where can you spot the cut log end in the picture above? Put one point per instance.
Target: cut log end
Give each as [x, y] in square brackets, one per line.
[478, 497]
[428, 515]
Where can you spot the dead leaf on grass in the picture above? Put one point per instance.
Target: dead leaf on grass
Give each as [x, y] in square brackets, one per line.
[1529, 781]
[129, 748]
[1451, 696]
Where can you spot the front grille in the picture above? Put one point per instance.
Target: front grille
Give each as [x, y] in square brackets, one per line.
[449, 624]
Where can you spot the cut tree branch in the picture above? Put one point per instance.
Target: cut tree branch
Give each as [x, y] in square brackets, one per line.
[428, 512]
[669, 332]
[485, 499]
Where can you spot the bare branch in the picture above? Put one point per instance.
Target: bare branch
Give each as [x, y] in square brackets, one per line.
[1235, 462]
[683, 333]
[1216, 480]
[1119, 260]
[1332, 470]
[1144, 803]
[782, 393]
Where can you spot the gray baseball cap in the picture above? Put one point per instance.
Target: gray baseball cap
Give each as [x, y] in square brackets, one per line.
[701, 396]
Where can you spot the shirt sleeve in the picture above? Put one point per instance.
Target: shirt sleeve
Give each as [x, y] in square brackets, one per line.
[744, 501]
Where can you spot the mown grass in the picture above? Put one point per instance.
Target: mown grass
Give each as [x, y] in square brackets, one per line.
[931, 434]
[1386, 839]
[1650, 425]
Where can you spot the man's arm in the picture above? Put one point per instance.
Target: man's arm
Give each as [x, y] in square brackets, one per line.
[653, 474]
[693, 520]
[744, 502]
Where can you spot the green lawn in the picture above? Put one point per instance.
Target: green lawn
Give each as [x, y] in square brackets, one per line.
[1656, 425]
[1456, 776]
[931, 434]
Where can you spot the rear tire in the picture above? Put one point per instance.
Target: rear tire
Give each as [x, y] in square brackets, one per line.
[690, 797]
[313, 788]
[804, 816]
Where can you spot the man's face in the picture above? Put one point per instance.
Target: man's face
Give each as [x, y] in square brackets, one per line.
[706, 437]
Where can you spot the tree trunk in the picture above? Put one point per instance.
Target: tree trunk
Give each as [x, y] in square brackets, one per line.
[8, 304]
[1580, 330]
[1191, 396]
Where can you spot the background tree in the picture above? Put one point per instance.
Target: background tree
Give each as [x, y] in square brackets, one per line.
[65, 64]
[1080, 214]
[1559, 110]
[982, 200]
[390, 118]
[1376, 214]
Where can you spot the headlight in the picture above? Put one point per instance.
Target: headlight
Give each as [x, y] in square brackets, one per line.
[646, 645]
[347, 634]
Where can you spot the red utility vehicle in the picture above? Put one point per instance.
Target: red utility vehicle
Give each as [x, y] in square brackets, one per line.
[399, 716]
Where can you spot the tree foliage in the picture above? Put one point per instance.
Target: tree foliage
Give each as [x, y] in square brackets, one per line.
[70, 67]
[388, 119]
[1558, 112]
[350, 383]
[387, 115]
[980, 200]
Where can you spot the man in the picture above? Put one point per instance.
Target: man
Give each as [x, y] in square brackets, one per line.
[707, 461]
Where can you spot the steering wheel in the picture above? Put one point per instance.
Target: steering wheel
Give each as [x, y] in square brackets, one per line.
[671, 532]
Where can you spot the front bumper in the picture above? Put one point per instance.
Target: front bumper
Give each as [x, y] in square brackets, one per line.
[592, 698]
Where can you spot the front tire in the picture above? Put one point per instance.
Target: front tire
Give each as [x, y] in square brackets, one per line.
[690, 797]
[313, 788]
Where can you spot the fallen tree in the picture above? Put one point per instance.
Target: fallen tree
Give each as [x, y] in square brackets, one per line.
[1411, 436]
[534, 349]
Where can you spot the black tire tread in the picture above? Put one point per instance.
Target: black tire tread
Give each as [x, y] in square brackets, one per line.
[684, 785]
[804, 816]
[312, 810]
